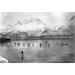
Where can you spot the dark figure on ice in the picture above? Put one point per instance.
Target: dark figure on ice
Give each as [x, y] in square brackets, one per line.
[22, 55]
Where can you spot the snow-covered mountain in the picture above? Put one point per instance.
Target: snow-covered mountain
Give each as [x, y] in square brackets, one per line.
[39, 32]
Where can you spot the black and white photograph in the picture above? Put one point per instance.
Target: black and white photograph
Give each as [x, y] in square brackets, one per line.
[37, 37]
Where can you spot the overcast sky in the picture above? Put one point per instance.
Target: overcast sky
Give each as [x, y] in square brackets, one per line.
[52, 20]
